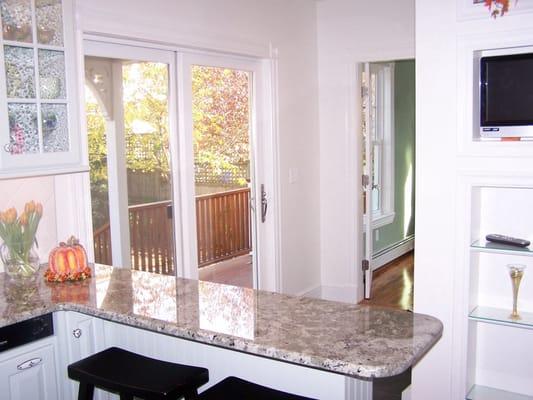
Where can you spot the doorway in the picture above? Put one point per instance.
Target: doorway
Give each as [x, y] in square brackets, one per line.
[388, 156]
[182, 153]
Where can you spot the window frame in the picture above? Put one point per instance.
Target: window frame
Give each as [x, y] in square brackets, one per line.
[381, 127]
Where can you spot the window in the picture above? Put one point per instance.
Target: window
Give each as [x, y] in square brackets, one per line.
[378, 128]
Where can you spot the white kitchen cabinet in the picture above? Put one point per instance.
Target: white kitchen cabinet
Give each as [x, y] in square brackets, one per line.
[80, 336]
[29, 372]
[39, 124]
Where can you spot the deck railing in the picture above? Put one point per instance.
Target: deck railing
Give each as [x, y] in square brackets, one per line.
[223, 232]
[223, 225]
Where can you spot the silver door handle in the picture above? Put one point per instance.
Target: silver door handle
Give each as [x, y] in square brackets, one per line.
[76, 333]
[264, 203]
[29, 364]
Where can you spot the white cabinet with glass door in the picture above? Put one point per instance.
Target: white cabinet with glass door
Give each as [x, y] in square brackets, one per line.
[38, 116]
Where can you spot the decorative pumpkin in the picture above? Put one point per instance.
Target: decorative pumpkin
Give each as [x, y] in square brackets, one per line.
[67, 262]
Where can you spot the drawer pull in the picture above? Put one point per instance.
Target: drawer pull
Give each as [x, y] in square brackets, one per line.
[30, 363]
[76, 333]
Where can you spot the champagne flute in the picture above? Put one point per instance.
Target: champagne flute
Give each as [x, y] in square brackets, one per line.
[516, 272]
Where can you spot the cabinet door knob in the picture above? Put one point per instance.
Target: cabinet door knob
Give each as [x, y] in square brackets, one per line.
[76, 333]
[30, 363]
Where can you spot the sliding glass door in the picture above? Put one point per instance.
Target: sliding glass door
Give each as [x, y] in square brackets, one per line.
[181, 155]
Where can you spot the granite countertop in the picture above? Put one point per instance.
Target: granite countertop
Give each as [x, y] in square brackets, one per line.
[360, 341]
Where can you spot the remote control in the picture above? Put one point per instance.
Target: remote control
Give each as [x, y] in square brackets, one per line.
[511, 241]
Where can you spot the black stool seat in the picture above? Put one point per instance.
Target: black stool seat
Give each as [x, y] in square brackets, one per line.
[233, 388]
[130, 374]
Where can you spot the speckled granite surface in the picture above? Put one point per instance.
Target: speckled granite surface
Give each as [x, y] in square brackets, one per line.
[359, 341]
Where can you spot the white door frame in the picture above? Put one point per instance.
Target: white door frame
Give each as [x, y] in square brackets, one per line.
[262, 169]
[269, 234]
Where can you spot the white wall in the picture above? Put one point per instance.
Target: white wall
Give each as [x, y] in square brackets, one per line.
[250, 27]
[17, 192]
[349, 32]
[435, 176]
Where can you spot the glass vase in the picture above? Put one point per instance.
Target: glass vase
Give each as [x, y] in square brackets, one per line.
[516, 272]
[19, 263]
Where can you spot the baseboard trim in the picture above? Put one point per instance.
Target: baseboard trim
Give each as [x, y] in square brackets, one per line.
[394, 252]
[312, 291]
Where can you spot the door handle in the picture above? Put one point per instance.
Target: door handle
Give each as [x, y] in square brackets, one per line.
[29, 364]
[264, 203]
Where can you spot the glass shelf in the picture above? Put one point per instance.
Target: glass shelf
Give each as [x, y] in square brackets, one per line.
[500, 316]
[491, 247]
[479, 392]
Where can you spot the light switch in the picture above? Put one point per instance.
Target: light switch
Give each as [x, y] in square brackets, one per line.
[293, 175]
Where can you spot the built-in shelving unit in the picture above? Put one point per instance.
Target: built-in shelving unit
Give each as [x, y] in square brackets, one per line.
[497, 350]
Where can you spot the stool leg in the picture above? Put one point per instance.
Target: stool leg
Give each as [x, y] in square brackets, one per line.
[86, 391]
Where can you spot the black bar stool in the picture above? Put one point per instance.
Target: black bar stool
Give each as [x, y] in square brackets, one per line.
[233, 388]
[130, 374]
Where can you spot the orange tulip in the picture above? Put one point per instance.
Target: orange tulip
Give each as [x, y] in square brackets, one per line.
[23, 218]
[39, 209]
[10, 216]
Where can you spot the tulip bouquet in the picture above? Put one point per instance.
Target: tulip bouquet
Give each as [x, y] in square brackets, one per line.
[18, 233]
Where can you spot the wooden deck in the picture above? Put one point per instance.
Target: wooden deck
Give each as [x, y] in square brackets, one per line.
[236, 271]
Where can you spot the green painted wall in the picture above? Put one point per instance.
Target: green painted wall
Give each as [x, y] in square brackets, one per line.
[404, 158]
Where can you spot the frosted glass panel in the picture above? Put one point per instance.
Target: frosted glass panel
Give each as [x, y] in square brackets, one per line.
[16, 20]
[20, 72]
[23, 128]
[49, 19]
[55, 128]
[52, 74]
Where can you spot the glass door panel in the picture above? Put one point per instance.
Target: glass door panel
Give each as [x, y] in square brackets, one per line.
[221, 106]
[131, 178]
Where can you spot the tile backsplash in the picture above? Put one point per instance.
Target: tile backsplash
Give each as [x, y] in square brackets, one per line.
[17, 192]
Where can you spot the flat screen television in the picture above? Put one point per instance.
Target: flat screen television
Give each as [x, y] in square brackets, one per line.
[506, 96]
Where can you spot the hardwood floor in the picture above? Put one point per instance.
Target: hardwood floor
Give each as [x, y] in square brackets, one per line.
[392, 285]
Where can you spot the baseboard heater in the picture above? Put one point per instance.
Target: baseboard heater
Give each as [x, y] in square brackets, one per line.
[393, 246]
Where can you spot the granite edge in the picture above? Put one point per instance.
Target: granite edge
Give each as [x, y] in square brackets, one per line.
[424, 341]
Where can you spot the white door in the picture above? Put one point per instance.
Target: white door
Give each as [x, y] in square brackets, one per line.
[377, 83]
[367, 180]
[220, 100]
